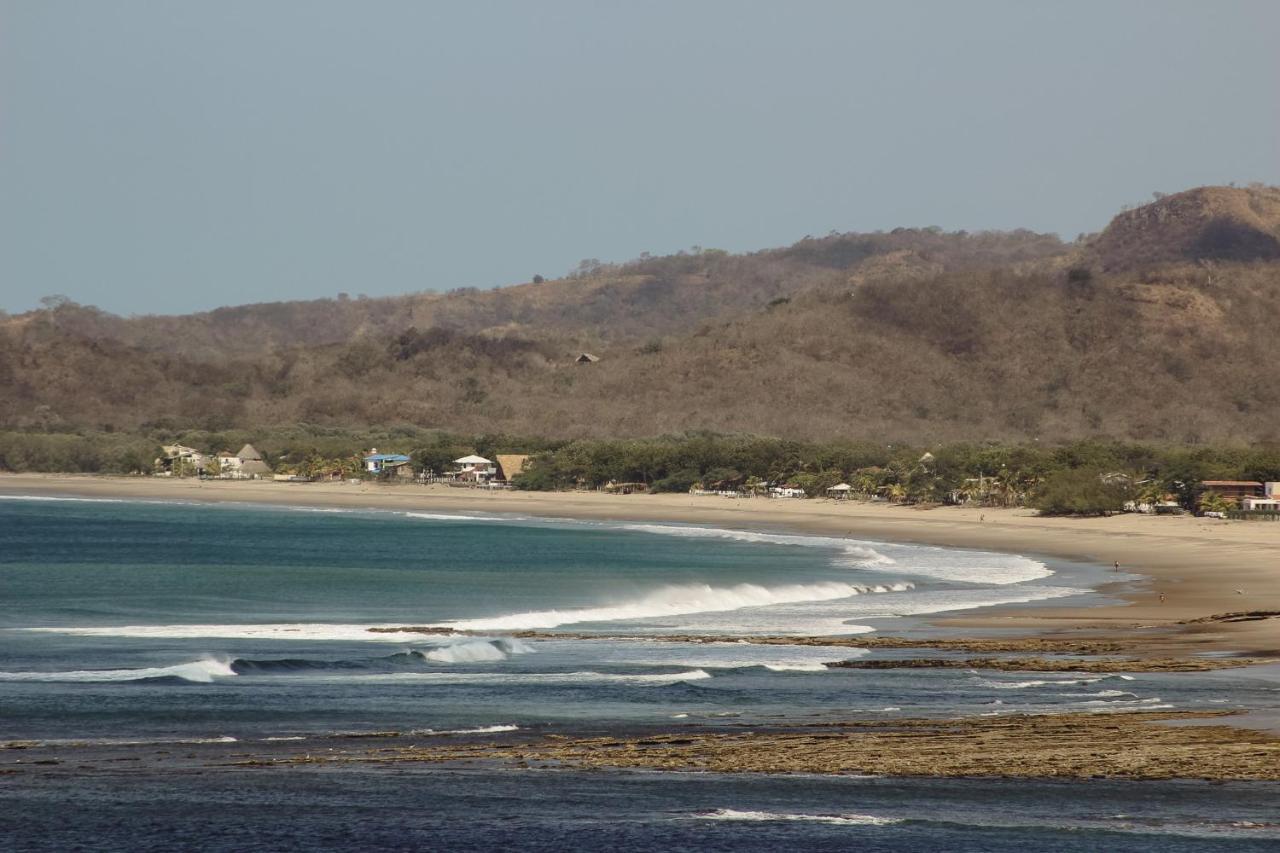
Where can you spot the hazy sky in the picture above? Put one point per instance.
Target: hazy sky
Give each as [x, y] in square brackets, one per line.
[171, 156]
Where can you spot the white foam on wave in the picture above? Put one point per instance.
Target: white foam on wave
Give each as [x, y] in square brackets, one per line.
[859, 553]
[703, 655]
[810, 666]
[66, 499]
[777, 817]
[840, 617]
[1104, 694]
[111, 741]
[1152, 700]
[479, 730]
[675, 600]
[476, 651]
[518, 678]
[941, 563]
[201, 671]
[1038, 682]
[449, 516]
[314, 631]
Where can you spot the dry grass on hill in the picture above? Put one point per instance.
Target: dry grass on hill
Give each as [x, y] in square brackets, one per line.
[1161, 328]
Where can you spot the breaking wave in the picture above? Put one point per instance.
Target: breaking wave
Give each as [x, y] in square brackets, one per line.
[528, 678]
[476, 651]
[479, 730]
[922, 560]
[1038, 682]
[313, 631]
[859, 554]
[676, 600]
[761, 817]
[208, 669]
[444, 516]
[110, 741]
[201, 671]
[67, 499]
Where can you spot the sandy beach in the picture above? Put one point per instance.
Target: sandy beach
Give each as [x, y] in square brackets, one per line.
[1201, 567]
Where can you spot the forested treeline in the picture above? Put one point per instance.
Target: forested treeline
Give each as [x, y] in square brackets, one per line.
[1013, 474]
[1074, 477]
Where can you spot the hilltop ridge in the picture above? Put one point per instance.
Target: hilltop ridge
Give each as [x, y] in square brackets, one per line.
[1201, 224]
[1161, 327]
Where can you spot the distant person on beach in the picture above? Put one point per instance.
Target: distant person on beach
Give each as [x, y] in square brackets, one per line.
[1117, 565]
[1162, 598]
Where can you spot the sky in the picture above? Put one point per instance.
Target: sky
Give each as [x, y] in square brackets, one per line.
[166, 157]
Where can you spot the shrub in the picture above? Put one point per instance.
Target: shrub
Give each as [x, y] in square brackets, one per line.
[1079, 491]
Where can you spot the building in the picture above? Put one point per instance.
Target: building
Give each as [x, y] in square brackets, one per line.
[511, 465]
[840, 492]
[475, 469]
[246, 464]
[387, 464]
[181, 460]
[1233, 491]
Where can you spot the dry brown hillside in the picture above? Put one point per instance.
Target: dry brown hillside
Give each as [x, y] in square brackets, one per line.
[649, 297]
[1150, 331]
[1207, 223]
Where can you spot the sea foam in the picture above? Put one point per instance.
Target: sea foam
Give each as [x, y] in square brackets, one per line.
[767, 817]
[654, 679]
[201, 671]
[674, 600]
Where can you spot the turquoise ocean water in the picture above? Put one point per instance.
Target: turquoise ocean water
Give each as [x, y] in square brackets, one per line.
[129, 626]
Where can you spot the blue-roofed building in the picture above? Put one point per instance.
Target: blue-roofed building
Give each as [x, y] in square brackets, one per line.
[383, 463]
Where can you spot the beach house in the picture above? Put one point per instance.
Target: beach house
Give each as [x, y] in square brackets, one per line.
[474, 469]
[510, 465]
[1269, 501]
[181, 461]
[245, 464]
[1233, 491]
[386, 464]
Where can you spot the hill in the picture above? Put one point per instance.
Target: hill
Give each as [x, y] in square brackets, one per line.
[1203, 224]
[1159, 328]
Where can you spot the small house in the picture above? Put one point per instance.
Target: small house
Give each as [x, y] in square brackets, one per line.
[475, 469]
[840, 492]
[245, 464]
[385, 463]
[1233, 491]
[511, 465]
[615, 488]
[182, 460]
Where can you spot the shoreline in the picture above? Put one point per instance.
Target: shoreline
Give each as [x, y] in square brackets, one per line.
[1203, 562]
[1203, 568]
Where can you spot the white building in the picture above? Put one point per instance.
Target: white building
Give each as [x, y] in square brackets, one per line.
[475, 469]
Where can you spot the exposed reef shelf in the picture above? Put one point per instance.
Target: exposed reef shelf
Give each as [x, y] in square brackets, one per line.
[1126, 746]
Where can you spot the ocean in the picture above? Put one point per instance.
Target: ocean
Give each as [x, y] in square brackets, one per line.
[144, 643]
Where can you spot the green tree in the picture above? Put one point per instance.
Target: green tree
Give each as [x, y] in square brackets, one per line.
[1079, 491]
